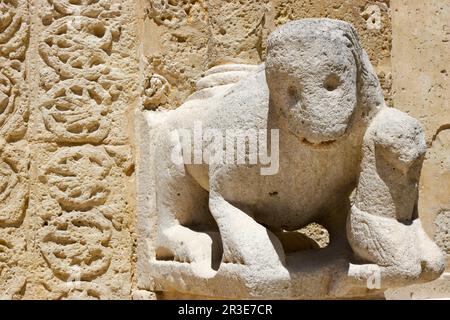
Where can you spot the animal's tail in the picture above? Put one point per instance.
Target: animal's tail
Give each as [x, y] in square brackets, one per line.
[219, 78]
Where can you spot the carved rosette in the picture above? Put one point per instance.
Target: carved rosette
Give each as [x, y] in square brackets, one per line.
[77, 47]
[80, 85]
[76, 245]
[76, 176]
[155, 91]
[75, 242]
[75, 110]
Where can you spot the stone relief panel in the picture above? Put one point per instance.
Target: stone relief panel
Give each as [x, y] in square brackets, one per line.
[82, 163]
[69, 87]
[14, 153]
[76, 244]
[78, 47]
[83, 220]
[421, 89]
[14, 37]
[76, 178]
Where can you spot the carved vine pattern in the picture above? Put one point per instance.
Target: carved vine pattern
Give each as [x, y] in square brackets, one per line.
[14, 38]
[80, 88]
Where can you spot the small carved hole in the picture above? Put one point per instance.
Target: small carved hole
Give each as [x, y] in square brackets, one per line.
[332, 82]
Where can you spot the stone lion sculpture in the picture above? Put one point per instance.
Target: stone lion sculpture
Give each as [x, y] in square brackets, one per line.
[346, 161]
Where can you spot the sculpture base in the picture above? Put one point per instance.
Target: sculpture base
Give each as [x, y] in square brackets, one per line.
[308, 275]
[435, 290]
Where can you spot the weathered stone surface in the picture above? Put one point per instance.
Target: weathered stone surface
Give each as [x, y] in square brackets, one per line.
[14, 150]
[434, 204]
[77, 82]
[421, 88]
[80, 222]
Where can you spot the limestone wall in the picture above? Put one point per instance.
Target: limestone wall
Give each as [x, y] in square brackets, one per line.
[420, 46]
[73, 75]
[420, 63]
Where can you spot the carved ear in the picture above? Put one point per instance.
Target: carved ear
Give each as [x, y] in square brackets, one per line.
[370, 95]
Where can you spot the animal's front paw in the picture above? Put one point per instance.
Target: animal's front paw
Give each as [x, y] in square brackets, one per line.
[404, 253]
[181, 244]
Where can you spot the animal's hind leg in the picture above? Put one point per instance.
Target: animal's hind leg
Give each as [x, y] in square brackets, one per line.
[180, 203]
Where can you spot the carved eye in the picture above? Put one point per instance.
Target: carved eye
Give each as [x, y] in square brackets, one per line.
[332, 82]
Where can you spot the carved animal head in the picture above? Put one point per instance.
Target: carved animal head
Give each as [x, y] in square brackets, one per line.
[320, 79]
